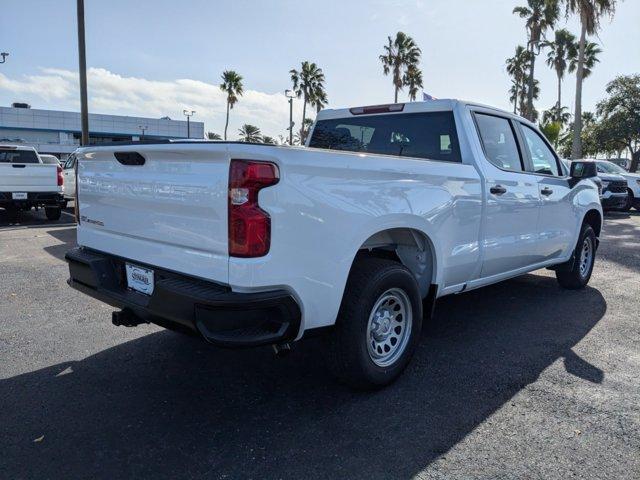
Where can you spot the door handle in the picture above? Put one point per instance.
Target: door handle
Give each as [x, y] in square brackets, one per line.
[546, 191]
[498, 190]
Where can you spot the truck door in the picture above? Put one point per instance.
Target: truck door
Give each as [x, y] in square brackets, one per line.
[557, 224]
[512, 199]
[69, 173]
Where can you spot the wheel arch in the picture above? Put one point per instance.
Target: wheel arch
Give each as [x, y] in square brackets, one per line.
[594, 218]
[409, 246]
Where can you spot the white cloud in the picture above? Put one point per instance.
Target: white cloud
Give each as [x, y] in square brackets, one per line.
[111, 93]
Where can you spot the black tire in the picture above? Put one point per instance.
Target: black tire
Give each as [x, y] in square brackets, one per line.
[53, 213]
[370, 281]
[630, 201]
[575, 274]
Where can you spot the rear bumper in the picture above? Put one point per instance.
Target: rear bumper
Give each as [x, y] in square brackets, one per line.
[48, 199]
[213, 311]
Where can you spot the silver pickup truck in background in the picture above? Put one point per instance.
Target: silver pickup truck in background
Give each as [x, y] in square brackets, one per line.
[26, 182]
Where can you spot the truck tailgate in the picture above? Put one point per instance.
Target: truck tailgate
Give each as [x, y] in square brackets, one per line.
[28, 177]
[169, 212]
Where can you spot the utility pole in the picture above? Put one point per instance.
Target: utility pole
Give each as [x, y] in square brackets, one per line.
[188, 114]
[82, 60]
[290, 95]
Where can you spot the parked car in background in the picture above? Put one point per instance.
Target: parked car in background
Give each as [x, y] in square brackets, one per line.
[625, 163]
[69, 173]
[606, 167]
[26, 182]
[612, 187]
[49, 159]
[387, 208]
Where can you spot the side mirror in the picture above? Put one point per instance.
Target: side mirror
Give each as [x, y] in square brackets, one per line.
[580, 170]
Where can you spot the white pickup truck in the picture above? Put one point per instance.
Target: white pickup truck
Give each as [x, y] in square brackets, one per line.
[355, 235]
[26, 182]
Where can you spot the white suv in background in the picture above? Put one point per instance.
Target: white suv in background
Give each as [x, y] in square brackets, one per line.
[633, 182]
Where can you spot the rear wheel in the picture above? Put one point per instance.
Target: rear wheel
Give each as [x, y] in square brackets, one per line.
[53, 213]
[577, 272]
[13, 214]
[378, 325]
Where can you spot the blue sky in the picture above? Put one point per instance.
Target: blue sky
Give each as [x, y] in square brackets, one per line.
[155, 57]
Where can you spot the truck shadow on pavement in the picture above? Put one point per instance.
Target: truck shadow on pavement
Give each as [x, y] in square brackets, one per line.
[68, 238]
[169, 406]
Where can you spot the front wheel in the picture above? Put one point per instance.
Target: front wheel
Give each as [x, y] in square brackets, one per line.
[577, 272]
[378, 325]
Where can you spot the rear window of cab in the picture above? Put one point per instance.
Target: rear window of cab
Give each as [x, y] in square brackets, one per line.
[18, 156]
[429, 135]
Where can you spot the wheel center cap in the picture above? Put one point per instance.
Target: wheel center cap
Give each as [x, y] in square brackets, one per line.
[382, 326]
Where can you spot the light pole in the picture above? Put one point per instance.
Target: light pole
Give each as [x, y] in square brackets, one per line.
[82, 60]
[188, 114]
[290, 95]
[144, 128]
[4, 56]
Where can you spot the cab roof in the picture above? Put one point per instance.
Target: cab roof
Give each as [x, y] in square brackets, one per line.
[447, 104]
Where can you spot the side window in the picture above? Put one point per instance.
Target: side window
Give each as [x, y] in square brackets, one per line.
[499, 142]
[70, 163]
[544, 161]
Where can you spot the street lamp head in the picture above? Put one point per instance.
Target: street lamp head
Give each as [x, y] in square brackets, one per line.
[188, 113]
[289, 93]
[4, 56]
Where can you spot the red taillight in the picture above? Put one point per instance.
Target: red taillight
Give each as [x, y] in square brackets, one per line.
[60, 177]
[249, 225]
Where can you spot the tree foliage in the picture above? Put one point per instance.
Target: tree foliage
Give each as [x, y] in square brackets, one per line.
[539, 16]
[250, 133]
[308, 84]
[401, 58]
[232, 86]
[619, 117]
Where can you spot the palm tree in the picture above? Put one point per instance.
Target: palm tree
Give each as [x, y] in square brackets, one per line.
[213, 136]
[516, 68]
[561, 51]
[269, 140]
[308, 83]
[559, 115]
[250, 133]
[539, 16]
[553, 121]
[588, 118]
[318, 99]
[591, 52]
[401, 55]
[524, 96]
[232, 86]
[413, 79]
[297, 139]
[590, 13]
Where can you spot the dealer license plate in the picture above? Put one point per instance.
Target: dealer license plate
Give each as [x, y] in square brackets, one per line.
[139, 279]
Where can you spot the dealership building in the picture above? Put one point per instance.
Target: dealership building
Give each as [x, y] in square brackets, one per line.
[58, 133]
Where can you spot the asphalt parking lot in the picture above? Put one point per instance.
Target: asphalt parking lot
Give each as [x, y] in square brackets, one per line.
[517, 380]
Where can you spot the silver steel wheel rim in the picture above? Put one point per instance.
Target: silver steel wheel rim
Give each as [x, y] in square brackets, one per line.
[389, 327]
[586, 256]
